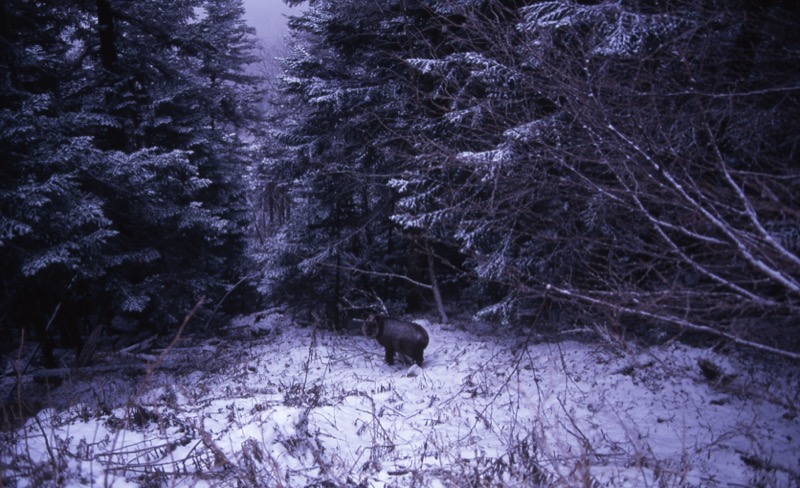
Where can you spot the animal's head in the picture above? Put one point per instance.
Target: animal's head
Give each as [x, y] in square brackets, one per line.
[373, 326]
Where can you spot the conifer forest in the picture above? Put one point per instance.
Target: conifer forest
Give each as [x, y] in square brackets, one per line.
[610, 172]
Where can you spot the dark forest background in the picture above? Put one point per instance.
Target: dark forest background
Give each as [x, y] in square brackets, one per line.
[627, 166]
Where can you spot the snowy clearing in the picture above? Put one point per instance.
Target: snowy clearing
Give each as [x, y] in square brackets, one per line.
[277, 405]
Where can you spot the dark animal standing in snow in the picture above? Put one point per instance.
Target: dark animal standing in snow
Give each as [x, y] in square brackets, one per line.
[406, 338]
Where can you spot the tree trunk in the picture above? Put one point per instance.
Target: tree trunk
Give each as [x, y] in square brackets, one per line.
[105, 25]
[437, 294]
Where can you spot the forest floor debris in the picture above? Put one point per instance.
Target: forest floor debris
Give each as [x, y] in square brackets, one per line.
[293, 406]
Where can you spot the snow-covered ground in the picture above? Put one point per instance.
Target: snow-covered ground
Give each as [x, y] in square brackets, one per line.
[278, 405]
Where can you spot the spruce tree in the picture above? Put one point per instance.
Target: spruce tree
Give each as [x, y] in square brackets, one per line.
[350, 90]
[123, 191]
[629, 164]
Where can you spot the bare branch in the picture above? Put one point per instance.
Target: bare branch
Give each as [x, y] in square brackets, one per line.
[677, 321]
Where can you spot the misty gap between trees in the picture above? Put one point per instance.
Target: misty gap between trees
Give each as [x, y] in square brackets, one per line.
[623, 168]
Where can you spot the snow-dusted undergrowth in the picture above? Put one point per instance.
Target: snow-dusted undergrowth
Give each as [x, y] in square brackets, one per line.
[304, 407]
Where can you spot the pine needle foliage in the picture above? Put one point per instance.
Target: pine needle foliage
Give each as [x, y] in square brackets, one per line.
[625, 163]
[122, 189]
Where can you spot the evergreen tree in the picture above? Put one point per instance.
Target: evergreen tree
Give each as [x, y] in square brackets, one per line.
[124, 190]
[52, 229]
[351, 90]
[626, 162]
[176, 96]
[632, 161]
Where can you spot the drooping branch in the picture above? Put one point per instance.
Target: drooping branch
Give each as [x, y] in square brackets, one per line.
[749, 211]
[743, 249]
[379, 274]
[672, 320]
